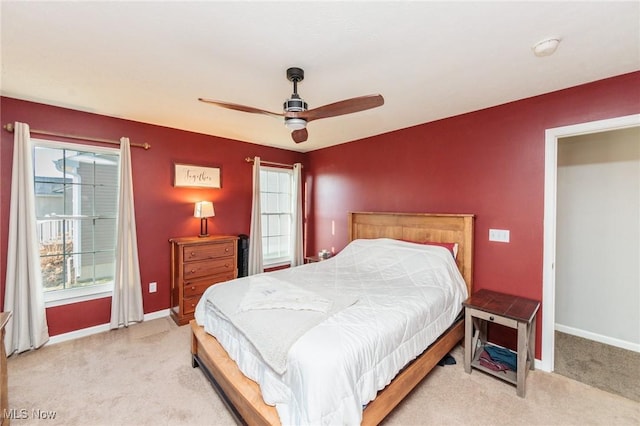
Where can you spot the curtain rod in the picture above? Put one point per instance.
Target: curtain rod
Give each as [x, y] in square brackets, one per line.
[9, 128]
[251, 160]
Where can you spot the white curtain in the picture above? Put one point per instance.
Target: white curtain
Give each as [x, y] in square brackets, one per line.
[255, 238]
[297, 255]
[126, 303]
[27, 328]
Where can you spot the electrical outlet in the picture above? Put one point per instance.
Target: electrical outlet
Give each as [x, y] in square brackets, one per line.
[153, 287]
[500, 235]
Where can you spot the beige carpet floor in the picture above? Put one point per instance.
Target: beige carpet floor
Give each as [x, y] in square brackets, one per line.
[143, 376]
[603, 366]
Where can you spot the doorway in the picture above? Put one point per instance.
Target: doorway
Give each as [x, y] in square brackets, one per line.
[549, 256]
[597, 329]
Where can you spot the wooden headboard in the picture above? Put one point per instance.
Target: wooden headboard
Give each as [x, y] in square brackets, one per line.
[420, 227]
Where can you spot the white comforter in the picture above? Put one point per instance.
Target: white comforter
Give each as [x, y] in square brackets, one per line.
[407, 295]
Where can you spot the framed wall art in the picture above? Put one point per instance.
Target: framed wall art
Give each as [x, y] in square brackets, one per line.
[187, 175]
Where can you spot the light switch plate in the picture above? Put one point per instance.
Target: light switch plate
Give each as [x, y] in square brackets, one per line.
[500, 235]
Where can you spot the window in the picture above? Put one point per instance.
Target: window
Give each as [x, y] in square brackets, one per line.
[276, 203]
[76, 191]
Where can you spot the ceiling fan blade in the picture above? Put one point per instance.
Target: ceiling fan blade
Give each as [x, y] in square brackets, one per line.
[299, 135]
[242, 108]
[347, 106]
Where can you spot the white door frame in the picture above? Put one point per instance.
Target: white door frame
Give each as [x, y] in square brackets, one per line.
[549, 245]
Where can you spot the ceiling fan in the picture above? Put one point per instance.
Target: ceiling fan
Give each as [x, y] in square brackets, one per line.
[296, 113]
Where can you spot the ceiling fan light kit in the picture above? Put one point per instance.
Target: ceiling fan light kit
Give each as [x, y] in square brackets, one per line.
[295, 123]
[295, 110]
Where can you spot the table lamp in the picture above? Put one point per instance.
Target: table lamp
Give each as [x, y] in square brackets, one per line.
[203, 210]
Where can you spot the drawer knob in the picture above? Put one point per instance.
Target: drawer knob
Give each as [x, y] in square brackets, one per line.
[193, 253]
[491, 318]
[193, 287]
[226, 265]
[193, 271]
[226, 249]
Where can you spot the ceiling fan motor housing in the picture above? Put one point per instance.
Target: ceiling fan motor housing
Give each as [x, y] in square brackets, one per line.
[295, 104]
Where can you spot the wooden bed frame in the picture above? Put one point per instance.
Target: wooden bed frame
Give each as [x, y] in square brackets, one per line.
[242, 395]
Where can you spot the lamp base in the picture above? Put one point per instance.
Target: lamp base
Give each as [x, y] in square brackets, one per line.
[203, 228]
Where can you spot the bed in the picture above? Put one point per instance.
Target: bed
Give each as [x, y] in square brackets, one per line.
[243, 395]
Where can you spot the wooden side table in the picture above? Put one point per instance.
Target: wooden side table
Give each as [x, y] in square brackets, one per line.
[515, 312]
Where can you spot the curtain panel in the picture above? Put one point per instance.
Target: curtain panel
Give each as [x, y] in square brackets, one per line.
[27, 329]
[126, 303]
[256, 265]
[297, 250]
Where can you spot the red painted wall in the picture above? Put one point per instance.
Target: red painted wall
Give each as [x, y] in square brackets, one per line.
[489, 163]
[162, 211]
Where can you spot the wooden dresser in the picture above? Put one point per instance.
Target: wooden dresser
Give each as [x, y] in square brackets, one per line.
[196, 264]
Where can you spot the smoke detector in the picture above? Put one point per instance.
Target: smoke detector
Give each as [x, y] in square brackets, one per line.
[545, 47]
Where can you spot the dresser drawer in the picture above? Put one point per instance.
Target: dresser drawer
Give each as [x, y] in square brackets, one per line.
[189, 304]
[209, 251]
[208, 267]
[508, 322]
[196, 288]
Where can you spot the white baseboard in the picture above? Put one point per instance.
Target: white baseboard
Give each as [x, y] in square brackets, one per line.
[76, 334]
[598, 338]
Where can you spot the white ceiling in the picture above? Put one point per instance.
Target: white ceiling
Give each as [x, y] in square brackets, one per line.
[150, 61]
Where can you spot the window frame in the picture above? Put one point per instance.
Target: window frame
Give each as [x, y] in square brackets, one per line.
[282, 260]
[79, 294]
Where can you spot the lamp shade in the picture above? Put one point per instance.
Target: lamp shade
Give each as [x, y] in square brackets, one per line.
[203, 209]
